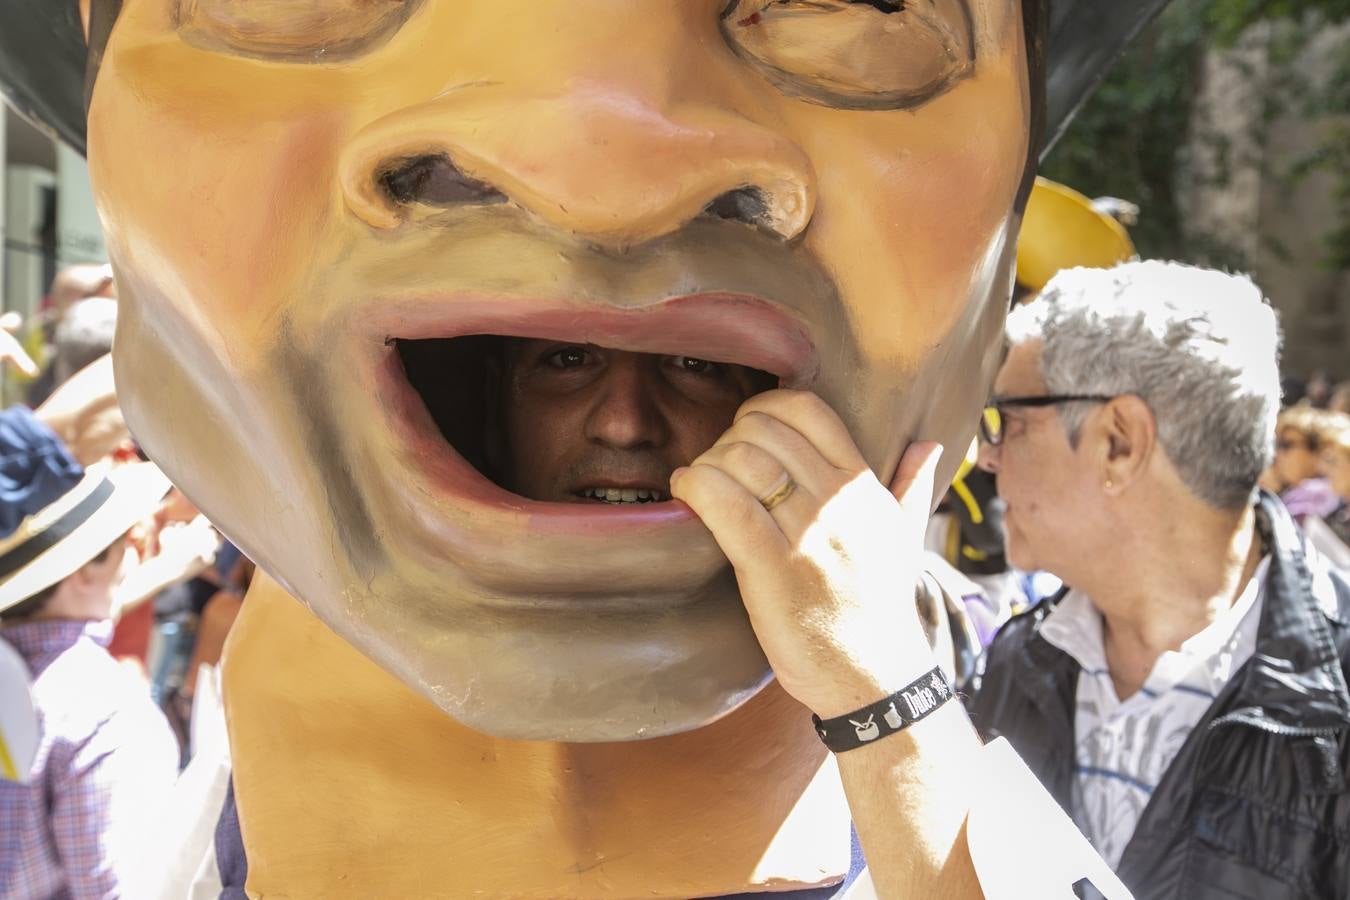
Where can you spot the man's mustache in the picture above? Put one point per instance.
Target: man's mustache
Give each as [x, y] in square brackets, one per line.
[605, 465]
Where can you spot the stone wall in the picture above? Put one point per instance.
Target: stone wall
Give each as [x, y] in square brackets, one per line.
[1239, 200]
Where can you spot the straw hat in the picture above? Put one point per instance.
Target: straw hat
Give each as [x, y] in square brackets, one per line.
[54, 542]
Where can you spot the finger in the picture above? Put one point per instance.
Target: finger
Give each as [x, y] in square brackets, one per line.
[25, 364]
[741, 526]
[13, 351]
[758, 470]
[763, 476]
[912, 484]
[812, 418]
[790, 447]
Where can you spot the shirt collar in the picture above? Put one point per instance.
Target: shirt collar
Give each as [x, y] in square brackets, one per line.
[1075, 626]
[48, 636]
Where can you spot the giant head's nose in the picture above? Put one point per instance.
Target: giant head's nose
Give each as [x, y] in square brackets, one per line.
[614, 157]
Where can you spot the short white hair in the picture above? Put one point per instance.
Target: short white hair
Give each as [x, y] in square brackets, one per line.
[1200, 347]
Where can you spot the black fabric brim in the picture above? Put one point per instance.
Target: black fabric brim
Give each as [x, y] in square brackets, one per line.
[42, 58]
[1085, 39]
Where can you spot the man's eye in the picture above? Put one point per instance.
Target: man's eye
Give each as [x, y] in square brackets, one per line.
[291, 30]
[567, 358]
[855, 54]
[692, 364]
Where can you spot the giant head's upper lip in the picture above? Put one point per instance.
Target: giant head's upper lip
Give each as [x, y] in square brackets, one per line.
[719, 327]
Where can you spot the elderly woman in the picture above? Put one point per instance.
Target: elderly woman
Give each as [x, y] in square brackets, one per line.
[1295, 473]
[1185, 696]
[1317, 502]
[1336, 469]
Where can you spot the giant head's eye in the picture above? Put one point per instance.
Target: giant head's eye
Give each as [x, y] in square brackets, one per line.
[291, 30]
[855, 54]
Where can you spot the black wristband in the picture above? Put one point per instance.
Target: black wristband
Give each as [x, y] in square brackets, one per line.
[888, 715]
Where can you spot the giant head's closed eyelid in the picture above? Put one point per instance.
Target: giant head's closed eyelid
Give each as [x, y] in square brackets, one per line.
[292, 30]
[855, 54]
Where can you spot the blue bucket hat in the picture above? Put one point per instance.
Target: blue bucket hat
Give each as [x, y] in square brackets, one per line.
[36, 469]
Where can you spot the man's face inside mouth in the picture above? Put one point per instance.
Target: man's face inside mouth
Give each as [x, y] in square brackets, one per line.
[587, 424]
[323, 213]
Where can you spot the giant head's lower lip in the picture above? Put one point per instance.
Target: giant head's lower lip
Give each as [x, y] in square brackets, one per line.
[717, 327]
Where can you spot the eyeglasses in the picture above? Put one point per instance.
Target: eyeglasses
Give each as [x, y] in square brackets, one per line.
[991, 421]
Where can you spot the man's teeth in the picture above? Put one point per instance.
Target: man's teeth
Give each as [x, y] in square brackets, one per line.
[625, 495]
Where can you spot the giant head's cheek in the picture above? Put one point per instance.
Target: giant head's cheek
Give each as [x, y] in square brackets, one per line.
[912, 203]
[215, 177]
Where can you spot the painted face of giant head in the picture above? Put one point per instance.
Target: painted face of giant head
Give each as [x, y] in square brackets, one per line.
[311, 203]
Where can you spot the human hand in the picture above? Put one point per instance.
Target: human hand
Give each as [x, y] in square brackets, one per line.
[176, 537]
[176, 509]
[828, 575]
[12, 352]
[179, 552]
[191, 545]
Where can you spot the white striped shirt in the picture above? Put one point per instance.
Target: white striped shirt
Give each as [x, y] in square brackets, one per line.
[1122, 749]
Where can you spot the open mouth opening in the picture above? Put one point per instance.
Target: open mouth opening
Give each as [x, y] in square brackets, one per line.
[468, 383]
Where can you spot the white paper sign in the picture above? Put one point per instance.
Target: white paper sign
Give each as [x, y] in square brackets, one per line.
[1011, 805]
[18, 718]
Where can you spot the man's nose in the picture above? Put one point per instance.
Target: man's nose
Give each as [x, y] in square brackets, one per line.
[615, 155]
[625, 414]
[988, 457]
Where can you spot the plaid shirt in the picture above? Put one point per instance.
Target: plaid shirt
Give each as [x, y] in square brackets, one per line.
[105, 761]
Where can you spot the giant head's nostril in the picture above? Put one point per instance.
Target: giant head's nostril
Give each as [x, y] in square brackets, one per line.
[744, 204]
[435, 181]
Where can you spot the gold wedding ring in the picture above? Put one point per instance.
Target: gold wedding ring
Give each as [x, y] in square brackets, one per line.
[779, 494]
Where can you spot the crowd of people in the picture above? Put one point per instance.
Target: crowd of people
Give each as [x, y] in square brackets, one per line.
[107, 574]
[1181, 691]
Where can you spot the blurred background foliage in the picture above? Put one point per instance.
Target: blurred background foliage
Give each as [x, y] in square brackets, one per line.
[1130, 140]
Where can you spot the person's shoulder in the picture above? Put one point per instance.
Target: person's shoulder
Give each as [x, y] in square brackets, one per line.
[1005, 658]
[84, 689]
[1331, 589]
[1021, 628]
